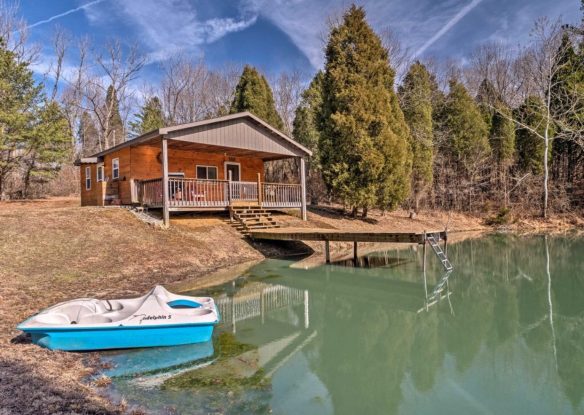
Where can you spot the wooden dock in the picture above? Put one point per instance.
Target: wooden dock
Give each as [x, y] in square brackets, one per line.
[336, 235]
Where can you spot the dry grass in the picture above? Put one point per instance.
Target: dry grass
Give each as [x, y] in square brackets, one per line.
[54, 250]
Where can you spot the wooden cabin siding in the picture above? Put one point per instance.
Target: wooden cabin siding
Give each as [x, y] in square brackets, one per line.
[119, 188]
[238, 133]
[146, 165]
[88, 197]
[142, 162]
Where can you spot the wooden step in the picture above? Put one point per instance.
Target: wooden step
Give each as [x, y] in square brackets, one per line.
[263, 227]
[245, 215]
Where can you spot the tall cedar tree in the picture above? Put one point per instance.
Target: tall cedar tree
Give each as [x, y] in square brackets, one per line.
[529, 147]
[253, 94]
[20, 98]
[468, 134]
[364, 145]
[416, 95]
[306, 130]
[116, 133]
[49, 147]
[568, 83]
[149, 118]
[487, 99]
[502, 136]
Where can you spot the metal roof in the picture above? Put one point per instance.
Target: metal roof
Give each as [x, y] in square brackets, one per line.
[175, 132]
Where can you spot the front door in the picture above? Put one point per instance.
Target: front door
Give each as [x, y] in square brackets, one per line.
[232, 171]
[232, 168]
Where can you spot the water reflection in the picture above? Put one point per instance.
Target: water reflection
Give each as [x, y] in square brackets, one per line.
[503, 333]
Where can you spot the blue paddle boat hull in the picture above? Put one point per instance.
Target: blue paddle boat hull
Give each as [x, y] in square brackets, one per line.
[82, 339]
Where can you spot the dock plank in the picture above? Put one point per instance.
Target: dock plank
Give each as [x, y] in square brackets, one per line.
[337, 235]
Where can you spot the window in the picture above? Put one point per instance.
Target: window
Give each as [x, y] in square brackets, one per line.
[99, 176]
[115, 168]
[88, 178]
[207, 172]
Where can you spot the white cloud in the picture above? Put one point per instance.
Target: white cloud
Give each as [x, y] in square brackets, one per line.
[168, 26]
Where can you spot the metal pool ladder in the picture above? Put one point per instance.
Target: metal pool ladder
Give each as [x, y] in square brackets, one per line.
[439, 252]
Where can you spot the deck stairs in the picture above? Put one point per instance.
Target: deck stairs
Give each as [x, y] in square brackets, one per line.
[434, 243]
[249, 218]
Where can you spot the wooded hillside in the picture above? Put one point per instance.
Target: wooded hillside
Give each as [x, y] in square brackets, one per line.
[502, 131]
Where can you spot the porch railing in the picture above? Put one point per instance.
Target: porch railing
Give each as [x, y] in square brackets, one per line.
[281, 195]
[217, 193]
[243, 192]
[197, 193]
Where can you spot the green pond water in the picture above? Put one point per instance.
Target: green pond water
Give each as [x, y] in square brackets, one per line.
[504, 335]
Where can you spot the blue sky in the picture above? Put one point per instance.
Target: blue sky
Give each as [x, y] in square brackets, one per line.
[283, 35]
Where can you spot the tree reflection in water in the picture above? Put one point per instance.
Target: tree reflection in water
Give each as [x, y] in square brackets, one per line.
[506, 336]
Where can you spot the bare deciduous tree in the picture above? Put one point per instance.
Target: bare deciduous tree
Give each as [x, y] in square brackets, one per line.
[543, 62]
[287, 89]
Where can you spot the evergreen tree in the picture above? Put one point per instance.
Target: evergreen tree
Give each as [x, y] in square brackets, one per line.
[416, 98]
[465, 146]
[568, 85]
[49, 147]
[149, 118]
[468, 132]
[306, 121]
[502, 136]
[115, 132]
[20, 96]
[364, 148]
[253, 94]
[306, 131]
[487, 98]
[529, 147]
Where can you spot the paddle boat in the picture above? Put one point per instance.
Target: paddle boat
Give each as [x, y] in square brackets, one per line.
[159, 318]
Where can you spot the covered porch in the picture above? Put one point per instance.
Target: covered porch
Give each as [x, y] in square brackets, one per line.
[196, 194]
[215, 164]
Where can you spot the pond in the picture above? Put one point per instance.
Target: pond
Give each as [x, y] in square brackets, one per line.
[502, 334]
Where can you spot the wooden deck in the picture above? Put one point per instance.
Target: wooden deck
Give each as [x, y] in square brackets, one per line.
[337, 235]
[316, 234]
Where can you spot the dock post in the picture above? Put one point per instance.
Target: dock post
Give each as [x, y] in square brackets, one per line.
[424, 254]
[446, 242]
[355, 251]
[327, 251]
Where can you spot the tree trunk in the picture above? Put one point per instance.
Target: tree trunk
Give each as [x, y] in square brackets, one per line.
[545, 174]
[365, 212]
[354, 212]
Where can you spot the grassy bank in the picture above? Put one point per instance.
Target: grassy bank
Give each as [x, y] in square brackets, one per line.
[53, 250]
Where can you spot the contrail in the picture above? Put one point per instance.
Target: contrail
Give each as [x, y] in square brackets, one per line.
[58, 16]
[463, 12]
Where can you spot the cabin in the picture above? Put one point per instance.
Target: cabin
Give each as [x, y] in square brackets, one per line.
[209, 165]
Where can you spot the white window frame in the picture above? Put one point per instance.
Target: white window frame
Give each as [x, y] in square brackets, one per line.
[99, 177]
[207, 167]
[116, 168]
[87, 177]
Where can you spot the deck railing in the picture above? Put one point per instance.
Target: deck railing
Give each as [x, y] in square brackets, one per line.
[281, 195]
[217, 193]
[198, 193]
[243, 191]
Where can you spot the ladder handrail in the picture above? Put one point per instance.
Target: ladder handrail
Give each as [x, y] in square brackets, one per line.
[431, 239]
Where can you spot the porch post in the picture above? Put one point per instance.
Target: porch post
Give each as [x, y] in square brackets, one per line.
[303, 188]
[165, 196]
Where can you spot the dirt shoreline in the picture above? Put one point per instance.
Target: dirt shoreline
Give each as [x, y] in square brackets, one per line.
[53, 250]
